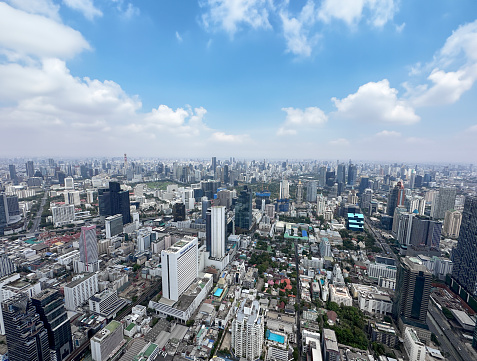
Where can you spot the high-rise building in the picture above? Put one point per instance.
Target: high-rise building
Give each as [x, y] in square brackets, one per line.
[341, 173]
[30, 169]
[7, 266]
[218, 225]
[62, 215]
[13, 206]
[50, 307]
[299, 192]
[465, 254]
[311, 192]
[72, 197]
[363, 184]
[444, 201]
[322, 176]
[4, 215]
[69, 183]
[397, 198]
[113, 201]
[248, 331]
[78, 291]
[413, 290]
[179, 267]
[352, 174]
[178, 212]
[88, 248]
[284, 189]
[214, 164]
[452, 222]
[243, 210]
[113, 225]
[27, 338]
[425, 232]
[13, 174]
[106, 341]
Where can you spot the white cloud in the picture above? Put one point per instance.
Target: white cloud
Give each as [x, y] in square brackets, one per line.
[41, 7]
[230, 15]
[454, 70]
[340, 142]
[131, 11]
[472, 129]
[178, 37]
[296, 30]
[388, 133]
[376, 102]
[297, 119]
[25, 34]
[400, 28]
[86, 7]
[351, 11]
[229, 138]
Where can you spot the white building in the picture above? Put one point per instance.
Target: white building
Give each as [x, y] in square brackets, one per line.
[72, 197]
[179, 267]
[113, 225]
[340, 295]
[6, 265]
[452, 221]
[106, 303]
[218, 224]
[248, 330]
[80, 290]
[69, 183]
[284, 189]
[64, 214]
[377, 270]
[68, 258]
[415, 349]
[325, 248]
[106, 341]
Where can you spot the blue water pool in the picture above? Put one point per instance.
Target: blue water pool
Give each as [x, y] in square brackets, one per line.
[275, 337]
[218, 293]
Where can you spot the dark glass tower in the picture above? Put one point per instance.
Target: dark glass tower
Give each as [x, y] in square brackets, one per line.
[27, 338]
[243, 210]
[465, 254]
[352, 174]
[51, 309]
[413, 290]
[397, 196]
[114, 201]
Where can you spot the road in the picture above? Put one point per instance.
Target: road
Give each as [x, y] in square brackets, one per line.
[381, 241]
[445, 330]
[36, 221]
[298, 302]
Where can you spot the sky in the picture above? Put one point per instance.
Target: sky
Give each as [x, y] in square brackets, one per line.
[371, 80]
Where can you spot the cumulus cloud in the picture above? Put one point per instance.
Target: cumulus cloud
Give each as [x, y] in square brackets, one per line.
[229, 138]
[26, 34]
[230, 15]
[376, 102]
[351, 11]
[297, 30]
[297, 119]
[86, 7]
[454, 70]
[41, 7]
[388, 133]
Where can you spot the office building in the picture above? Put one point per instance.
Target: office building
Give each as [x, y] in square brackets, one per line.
[72, 197]
[13, 174]
[248, 331]
[465, 254]
[329, 346]
[88, 248]
[27, 338]
[397, 198]
[218, 224]
[13, 206]
[50, 307]
[30, 169]
[214, 164]
[299, 192]
[352, 174]
[179, 267]
[403, 227]
[7, 266]
[413, 289]
[341, 173]
[415, 349]
[444, 201]
[106, 341]
[178, 212]
[4, 215]
[452, 222]
[243, 210]
[78, 291]
[63, 215]
[425, 233]
[106, 303]
[145, 237]
[113, 201]
[284, 189]
[311, 191]
[113, 225]
[69, 183]
[322, 176]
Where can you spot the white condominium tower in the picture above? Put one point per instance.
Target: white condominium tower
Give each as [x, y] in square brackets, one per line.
[218, 232]
[248, 330]
[179, 267]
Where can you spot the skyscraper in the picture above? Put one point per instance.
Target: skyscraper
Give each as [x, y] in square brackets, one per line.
[113, 201]
[465, 254]
[397, 197]
[27, 338]
[243, 210]
[13, 174]
[341, 173]
[425, 232]
[218, 224]
[299, 192]
[452, 222]
[413, 290]
[444, 201]
[88, 248]
[352, 174]
[214, 164]
[4, 215]
[311, 192]
[49, 305]
[179, 267]
[248, 331]
[284, 189]
[30, 169]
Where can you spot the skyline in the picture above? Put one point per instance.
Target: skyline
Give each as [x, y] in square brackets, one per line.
[378, 81]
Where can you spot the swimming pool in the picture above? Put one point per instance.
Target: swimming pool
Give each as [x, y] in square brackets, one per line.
[218, 293]
[275, 337]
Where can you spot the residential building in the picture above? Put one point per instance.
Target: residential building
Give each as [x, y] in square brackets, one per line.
[88, 248]
[113, 225]
[218, 225]
[106, 303]
[452, 222]
[248, 331]
[445, 201]
[415, 349]
[63, 215]
[106, 341]
[78, 291]
[329, 345]
[397, 197]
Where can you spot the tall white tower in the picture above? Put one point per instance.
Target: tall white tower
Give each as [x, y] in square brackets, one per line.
[284, 189]
[217, 232]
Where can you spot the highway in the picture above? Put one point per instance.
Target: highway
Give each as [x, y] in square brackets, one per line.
[298, 301]
[457, 348]
[381, 241]
[36, 221]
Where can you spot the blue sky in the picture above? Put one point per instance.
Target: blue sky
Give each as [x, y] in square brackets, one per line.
[382, 80]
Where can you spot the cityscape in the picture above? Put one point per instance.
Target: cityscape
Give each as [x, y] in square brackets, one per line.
[238, 180]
